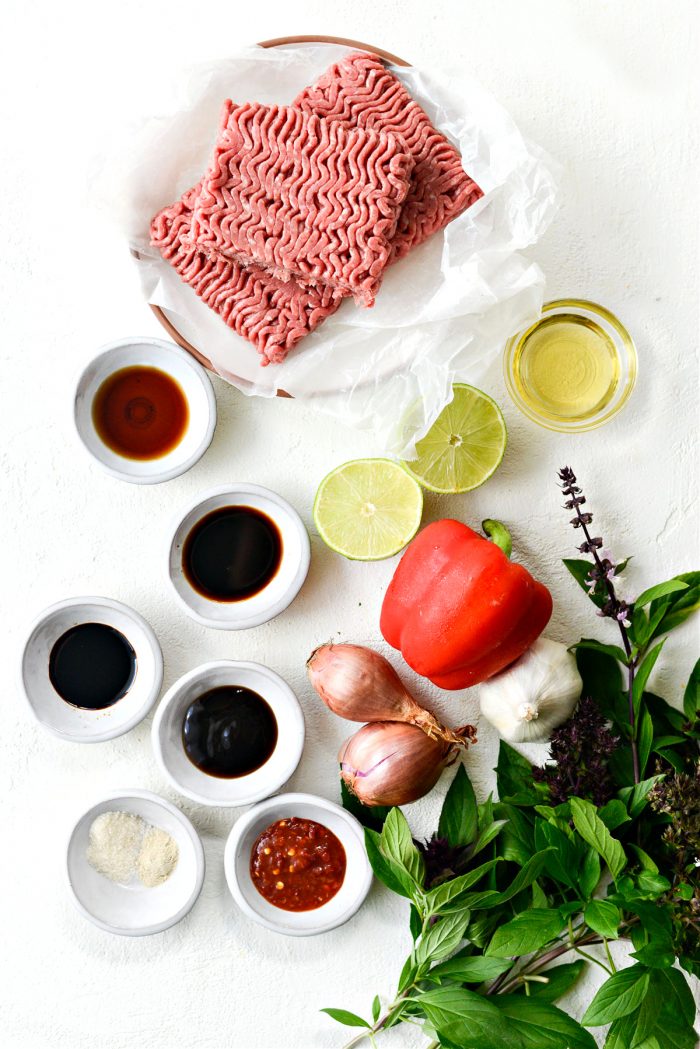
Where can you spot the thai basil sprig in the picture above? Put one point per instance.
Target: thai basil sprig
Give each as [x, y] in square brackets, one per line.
[668, 604]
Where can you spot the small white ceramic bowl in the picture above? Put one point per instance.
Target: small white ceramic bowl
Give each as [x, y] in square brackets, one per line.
[351, 894]
[75, 723]
[214, 790]
[134, 910]
[192, 379]
[284, 585]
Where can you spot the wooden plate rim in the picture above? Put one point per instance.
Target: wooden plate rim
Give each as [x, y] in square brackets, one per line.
[279, 41]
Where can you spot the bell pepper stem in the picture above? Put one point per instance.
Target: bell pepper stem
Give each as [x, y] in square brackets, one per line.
[498, 534]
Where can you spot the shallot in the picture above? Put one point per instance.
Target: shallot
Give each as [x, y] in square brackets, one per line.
[359, 684]
[390, 763]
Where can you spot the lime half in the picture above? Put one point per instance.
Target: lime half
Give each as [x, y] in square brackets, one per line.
[368, 509]
[464, 446]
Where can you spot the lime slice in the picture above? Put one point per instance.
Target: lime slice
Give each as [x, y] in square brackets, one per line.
[464, 446]
[368, 509]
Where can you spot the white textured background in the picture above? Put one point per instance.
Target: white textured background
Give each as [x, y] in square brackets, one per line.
[607, 88]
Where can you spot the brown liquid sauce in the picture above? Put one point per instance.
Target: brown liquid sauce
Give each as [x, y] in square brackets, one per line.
[232, 553]
[229, 731]
[297, 864]
[140, 413]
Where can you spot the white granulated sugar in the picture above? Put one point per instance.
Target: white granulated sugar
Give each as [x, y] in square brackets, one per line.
[115, 843]
[157, 858]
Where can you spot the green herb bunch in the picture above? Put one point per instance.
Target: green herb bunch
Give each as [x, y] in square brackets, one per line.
[508, 897]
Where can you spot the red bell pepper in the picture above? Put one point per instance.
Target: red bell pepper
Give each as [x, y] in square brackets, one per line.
[458, 609]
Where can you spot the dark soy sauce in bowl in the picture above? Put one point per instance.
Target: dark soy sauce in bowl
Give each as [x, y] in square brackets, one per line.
[92, 666]
[229, 732]
[232, 553]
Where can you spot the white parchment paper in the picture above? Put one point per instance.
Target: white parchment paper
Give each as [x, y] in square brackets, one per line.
[443, 313]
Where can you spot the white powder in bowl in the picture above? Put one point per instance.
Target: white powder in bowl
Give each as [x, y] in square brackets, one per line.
[122, 845]
[157, 858]
[115, 843]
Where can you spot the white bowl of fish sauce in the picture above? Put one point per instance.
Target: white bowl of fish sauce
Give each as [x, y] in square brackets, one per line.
[238, 557]
[91, 669]
[317, 883]
[228, 733]
[145, 410]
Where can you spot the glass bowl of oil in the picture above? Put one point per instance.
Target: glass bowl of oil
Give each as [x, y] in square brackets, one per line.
[573, 369]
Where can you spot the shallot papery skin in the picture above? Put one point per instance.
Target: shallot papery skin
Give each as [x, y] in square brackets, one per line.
[359, 684]
[390, 763]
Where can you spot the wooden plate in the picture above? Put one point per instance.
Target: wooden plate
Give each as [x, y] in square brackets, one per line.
[280, 41]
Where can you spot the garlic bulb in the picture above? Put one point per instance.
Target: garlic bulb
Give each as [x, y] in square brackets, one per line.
[528, 699]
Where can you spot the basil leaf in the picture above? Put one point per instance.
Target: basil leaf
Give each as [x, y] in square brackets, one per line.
[660, 590]
[415, 922]
[691, 696]
[646, 739]
[474, 968]
[525, 933]
[561, 978]
[344, 1017]
[678, 607]
[645, 861]
[618, 996]
[397, 845]
[376, 1008]
[542, 1025]
[447, 891]
[514, 777]
[442, 938]
[409, 971]
[603, 917]
[563, 860]
[614, 814]
[590, 873]
[596, 834]
[581, 571]
[632, 1031]
[390, 873]
[635, 798]
[654, 956]
[675, 989]
[467, 1019]
[614, 651]
[487, 835]
[532, 870]
[602, 678]
[643, 672]
[673, 1035]
[458, 817]
[517, 842]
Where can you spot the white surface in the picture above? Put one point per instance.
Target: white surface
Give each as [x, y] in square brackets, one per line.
[603, 87]
[284, 585]
[195, 385]
[132, 909]
[187, 779]
[340, 908]
[77, 724]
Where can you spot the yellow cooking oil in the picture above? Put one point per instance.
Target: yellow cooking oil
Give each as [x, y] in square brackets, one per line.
[566, 367]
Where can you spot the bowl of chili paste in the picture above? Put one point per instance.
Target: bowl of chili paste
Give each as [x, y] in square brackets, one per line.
[296, 864]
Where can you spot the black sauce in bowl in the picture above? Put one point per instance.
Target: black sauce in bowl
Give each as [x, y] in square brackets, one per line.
[232, 553]
[229, 732]
[92, 666]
